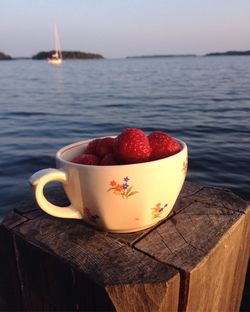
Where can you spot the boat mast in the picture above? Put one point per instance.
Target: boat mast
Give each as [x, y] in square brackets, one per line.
[57, 42]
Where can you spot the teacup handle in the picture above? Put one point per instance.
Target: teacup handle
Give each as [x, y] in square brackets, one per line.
[39, 180]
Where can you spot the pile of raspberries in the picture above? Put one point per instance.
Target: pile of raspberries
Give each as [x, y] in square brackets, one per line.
[131, 146]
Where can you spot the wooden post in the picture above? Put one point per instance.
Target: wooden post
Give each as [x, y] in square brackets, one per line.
[196, 260]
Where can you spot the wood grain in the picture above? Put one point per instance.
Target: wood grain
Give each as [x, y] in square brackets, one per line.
[195, 260]
[10, 287]
[54, 253]
[146, 296]
[208, 241]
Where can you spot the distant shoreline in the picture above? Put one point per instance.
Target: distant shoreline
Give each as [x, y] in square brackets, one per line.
[21, 58]
[161, 56]
[228, 53]
[78, 55]
[44, 55]
[5, 57]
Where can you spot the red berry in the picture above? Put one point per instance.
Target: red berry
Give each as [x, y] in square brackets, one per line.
[91, 147]
[109, 160]
[86, 159]
[163, 145]
[104, 146]
[132, 146]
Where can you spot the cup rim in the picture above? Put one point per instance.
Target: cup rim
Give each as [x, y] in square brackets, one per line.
[79, 143]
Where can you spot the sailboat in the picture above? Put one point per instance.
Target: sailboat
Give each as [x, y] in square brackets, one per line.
[56, 57]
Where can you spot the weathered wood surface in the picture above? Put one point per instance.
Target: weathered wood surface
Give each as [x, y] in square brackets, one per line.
[196, 260]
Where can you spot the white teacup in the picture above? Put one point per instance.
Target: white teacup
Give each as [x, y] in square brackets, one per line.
[119, 198]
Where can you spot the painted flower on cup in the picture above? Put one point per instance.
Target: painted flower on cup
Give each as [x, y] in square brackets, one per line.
[90, 216]
[123, 189]
[158, 210]
[185, 166]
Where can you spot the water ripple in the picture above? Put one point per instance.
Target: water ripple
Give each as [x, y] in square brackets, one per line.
[203, 101]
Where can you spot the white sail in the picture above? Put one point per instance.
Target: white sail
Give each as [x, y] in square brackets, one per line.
[57, 56]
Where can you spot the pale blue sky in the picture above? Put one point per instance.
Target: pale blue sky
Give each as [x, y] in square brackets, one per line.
[120, 28]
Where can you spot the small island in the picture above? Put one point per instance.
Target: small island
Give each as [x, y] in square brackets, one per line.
[4, 57]
[68, 55]
[161, 56]
[228, 53]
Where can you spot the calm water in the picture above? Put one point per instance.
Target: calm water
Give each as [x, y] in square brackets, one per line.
[203, 101]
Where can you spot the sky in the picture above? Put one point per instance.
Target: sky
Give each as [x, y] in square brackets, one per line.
[120, 28]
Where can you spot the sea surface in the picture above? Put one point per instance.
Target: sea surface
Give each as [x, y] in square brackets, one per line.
[204, 101]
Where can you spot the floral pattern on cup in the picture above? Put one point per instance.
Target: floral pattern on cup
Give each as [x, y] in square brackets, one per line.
[158, 210]
[123, 189]
[90, 216]
[184, 167]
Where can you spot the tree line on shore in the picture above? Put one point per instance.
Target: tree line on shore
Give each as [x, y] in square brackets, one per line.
[44, 55]
[68, 55]
[4, 56]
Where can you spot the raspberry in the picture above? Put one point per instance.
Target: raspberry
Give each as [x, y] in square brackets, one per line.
[104, 146]
[109, 160]
[132, 146]
[162, 145]
[91, 147]
[86, 159]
